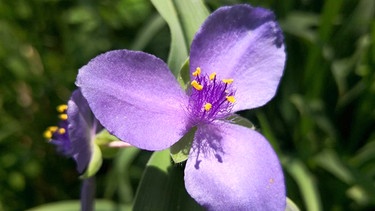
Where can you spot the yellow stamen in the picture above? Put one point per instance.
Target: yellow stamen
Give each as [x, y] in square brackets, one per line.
[212, 76]
[62, 108]
[196, 85]
[61, 130]
[47, 134]
[63, 116]
[231, 99]
[207, 106]
[228, 81]
[197, 71]
[52, 128]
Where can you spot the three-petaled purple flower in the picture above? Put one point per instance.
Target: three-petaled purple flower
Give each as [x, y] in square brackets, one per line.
[236, 61]
[76, 131]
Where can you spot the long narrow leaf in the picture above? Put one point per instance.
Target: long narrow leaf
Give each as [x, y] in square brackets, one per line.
[183, 19]
[178, 51]
[162, 186]
[306, 184]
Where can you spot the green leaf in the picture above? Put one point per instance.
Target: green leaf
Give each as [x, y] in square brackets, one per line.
[329, 160]
[184, 19]
[305, 182]
[162, 186]
[192, 14]
[180, 150]
[178, 51]
[103, 139]
[267, 131]
[75, 205]
[301, 24]
[147, 33]
[184, 75]
[290, 205]
[95, 163]
[118, 179]
[239, 120]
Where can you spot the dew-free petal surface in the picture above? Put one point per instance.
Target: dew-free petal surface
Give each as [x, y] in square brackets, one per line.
[135, 97]
[244, 43]
[231, 167]
[82, 129]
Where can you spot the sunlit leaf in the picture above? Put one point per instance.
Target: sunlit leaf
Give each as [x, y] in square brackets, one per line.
[183, 19]
[180, 150]
[239, 120]
[178, 51]
[162, 186]
[192, 14]
[184, 75]
[306, 184]
[290, 205]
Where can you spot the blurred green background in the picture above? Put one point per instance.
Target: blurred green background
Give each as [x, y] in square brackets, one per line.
[321, 123]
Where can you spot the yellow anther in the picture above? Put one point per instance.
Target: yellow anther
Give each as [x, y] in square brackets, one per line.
[62, 108]
[207, 106]
[47, 134]
[228, 81]
[231, 99]
[61, 130]
[52, 128]
[63, 116]
[197, 71]
[212, 76]
[196, 85]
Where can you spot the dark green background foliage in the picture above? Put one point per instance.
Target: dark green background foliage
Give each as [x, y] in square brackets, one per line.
[321, 123]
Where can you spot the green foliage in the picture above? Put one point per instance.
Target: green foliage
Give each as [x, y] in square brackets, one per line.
[321, 122]
[162, 186]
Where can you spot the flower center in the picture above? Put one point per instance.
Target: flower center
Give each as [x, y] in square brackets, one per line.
[210, 97]
[58, 135]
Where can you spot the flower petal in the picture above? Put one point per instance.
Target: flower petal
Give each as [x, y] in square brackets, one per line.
[231, 167]
[243, 43]
[136, 98]
[82, 129]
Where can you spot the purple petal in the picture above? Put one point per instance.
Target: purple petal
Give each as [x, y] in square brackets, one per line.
[231, 167]
[243, 43]
[136, 97]
[62, 141]
[82, 129]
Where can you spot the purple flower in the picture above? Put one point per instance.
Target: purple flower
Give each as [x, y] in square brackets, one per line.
[236, 62]
[76, 131]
